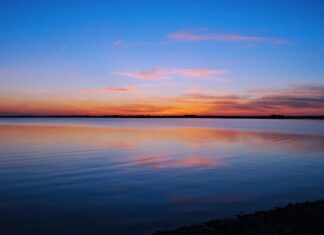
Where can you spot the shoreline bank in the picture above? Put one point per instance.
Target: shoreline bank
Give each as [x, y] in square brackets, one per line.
[295, 218]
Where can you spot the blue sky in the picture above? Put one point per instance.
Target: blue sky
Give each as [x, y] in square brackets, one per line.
[60, 50]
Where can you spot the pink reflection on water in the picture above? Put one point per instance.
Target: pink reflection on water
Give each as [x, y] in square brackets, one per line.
[186, 162]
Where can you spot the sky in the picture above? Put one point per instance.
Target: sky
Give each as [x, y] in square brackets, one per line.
[162, 57]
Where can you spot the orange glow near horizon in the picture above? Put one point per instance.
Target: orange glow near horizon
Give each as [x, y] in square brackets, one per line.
[130, 101]
[198, 63]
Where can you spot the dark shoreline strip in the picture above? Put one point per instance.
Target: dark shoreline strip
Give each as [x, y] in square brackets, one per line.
[299, 218]
[314, 117]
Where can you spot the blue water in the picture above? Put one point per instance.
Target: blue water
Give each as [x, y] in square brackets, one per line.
[134, 176]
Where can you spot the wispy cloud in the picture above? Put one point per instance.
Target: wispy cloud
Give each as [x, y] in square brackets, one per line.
[108, 90]
[294, 99]
[153, 74]
[196, 72]
[206, 91]
[167, 73]
[203, 35]
[124, 43]
[292, 90]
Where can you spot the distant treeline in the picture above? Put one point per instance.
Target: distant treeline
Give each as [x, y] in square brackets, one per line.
[166, 116]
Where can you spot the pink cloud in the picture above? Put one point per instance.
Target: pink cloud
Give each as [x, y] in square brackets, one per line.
[115, 89]
[108, 90]
[153, 74]
[167, 73]
[197, 72]
[195, 36]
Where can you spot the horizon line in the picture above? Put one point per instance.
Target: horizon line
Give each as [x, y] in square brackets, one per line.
[272, 116]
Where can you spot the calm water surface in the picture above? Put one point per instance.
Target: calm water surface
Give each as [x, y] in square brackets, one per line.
[134, 176]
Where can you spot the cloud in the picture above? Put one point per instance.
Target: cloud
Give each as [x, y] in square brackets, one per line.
[153, 74]
[205, 91]
[196, 72]
[116, 89]
[167, 73]
[307, 90]
[278, 101]
[291, 100]
[202, 35]
[125, 43]
[294, 99]
[108, 90]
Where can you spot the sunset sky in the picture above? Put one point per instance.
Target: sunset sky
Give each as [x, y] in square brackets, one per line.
[162, 57]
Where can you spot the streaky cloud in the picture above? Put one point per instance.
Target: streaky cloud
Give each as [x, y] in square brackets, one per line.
[108, 90]
[158, 74]
[294, 99]
[124, 43]
[153, 75]
[199, 35]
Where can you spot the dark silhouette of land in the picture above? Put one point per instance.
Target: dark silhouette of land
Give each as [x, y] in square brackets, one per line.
[317, 117]
[296, 219]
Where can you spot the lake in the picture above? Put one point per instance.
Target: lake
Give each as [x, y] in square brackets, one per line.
[135, 176]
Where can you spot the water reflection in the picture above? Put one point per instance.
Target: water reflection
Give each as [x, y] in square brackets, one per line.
[164, 162]
[117, 177]
[130, 138]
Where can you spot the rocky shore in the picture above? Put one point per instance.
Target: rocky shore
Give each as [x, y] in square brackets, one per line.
[300, 218]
